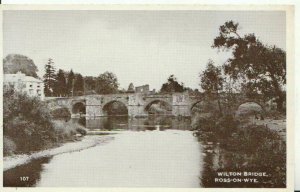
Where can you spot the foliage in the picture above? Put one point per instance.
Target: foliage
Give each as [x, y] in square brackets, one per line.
[70, 83]
[211, 79]
[29, 126]
[252, 148]
[9, 146]
[60, 84]
[26, 121]
[90, 84]
[261, 67]
[14, 63]
[78, 84]
[130, 88]
[65, 130]
[107, 83]
[49, 78]
[172, 86]
[61, 113]
[226, 125]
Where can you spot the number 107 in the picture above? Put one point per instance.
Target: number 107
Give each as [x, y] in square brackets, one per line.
[24, 178]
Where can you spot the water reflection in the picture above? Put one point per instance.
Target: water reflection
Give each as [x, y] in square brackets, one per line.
[32, 170]
[138, 124]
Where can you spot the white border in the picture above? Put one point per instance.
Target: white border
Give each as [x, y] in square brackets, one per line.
[290, 78]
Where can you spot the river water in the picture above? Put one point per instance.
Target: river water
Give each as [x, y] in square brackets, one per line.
[148, 152]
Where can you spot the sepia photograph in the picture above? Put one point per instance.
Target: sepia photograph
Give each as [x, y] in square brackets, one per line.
[164, 98]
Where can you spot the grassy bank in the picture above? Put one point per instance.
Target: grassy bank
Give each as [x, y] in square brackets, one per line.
[234, 144]
[29, 126]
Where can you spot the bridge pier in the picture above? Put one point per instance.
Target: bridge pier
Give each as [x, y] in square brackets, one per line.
[181, 110]
[136, 111]
[93, 107]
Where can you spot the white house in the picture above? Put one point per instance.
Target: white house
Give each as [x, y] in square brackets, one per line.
[31, 86]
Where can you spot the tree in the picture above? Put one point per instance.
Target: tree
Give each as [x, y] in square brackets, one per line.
[49, 78]
[262, 68]
[14, 63]
[212, 81]
[70, 83]
[130, 88]
[90, 84]
[78, 84]
[61, 84]
[172, 86]
[107, 83]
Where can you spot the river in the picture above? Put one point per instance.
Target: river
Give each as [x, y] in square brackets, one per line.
[149, 152]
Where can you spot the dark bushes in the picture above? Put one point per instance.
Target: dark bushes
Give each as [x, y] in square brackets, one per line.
[241, 147]
[61, 113]
[26, 122]
[29, 126]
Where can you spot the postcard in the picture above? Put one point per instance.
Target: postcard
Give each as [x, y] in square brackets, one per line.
[156, 96]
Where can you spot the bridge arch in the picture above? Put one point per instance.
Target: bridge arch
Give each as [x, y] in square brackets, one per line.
[249, 107]
[78, 107]
[205, 106]
[195, 103]
[250, 101]
[115, 107]
[161, 104]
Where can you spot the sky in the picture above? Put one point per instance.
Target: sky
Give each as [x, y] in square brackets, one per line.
[142, 47]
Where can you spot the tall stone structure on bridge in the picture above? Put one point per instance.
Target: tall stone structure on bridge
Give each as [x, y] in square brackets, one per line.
[181, 104]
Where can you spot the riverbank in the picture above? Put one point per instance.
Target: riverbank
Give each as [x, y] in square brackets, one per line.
[243, 144]
[278, 125]
[86, 142]
[63, 132]
[29, 125]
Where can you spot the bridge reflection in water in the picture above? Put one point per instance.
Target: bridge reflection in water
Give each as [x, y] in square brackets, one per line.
[136, 124]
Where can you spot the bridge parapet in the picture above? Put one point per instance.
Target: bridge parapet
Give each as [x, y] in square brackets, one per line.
[137, 103]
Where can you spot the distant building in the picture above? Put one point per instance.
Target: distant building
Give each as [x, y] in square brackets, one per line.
[144, 89]
[20, 82]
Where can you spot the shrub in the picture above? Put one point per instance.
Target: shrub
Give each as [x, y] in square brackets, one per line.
[9, 146]
[26, 121]
[226, 126]
[65, 130]
[251, 148]
[61, 113]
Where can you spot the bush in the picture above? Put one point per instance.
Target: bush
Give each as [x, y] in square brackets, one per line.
[251, 148]
[66, 130]
[26, 121]
[61, 113]
[226, 126]
[9, 146]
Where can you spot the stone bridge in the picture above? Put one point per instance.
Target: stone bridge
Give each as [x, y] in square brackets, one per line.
[137, 104]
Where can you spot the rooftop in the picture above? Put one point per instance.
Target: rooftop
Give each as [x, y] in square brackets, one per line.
[20, 76]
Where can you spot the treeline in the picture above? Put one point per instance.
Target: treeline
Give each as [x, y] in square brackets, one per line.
[62, 83]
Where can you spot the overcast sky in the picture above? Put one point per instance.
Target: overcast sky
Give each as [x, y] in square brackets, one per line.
[142, 47]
